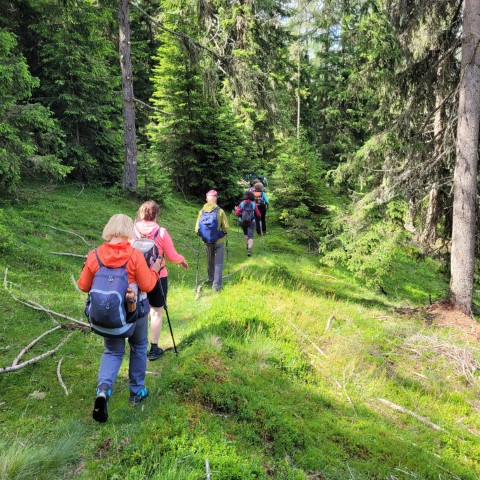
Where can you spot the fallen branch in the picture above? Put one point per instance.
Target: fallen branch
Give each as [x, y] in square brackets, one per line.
[37, 306]
[68, 254]
[61, 230]
[32, 343]
[59, 376]
[424, 420]
[322, 275]
[35, 359]
[329, 322]
[72, 278]
[81, 191]
[305, 336]
[347, 395]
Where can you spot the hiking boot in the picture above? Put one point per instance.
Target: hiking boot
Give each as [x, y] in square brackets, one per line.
[100, 409]
[139, 397]
[155, 353]
[249, 252]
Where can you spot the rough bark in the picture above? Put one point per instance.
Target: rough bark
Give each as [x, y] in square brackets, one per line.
[429, 233]
[465, 176]
[130, 143]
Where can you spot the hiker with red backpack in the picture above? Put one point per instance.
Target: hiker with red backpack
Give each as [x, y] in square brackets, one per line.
[212, 227]
[116, 262]
[246, 213]
[146, 225]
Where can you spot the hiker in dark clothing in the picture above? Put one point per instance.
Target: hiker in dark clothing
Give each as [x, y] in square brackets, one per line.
[261, 201]
[246, 213]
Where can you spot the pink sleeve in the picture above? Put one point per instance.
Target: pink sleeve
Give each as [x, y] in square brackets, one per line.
[165, 243]
[257, 211]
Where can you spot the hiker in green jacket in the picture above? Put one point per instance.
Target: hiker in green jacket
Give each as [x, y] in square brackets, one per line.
[212, 226]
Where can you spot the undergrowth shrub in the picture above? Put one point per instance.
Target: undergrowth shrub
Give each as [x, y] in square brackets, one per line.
[367, 240]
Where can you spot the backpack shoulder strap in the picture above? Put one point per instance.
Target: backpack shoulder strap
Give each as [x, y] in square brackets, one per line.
[98, 258]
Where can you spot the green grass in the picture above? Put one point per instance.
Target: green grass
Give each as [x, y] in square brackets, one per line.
[261, 388]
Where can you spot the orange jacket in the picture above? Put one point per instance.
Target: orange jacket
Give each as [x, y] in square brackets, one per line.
[114, 256]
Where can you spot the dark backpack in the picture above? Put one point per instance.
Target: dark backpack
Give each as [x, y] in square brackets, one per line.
[259, 198]
[105, 308]
[247, 214]
[208, 226]
[148, 246]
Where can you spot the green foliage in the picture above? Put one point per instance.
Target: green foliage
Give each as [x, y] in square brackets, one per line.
[368, 241]
[35, 458]
[299, 188]
[29, 137]
[259, 378]
[79, 81]
[197, 138]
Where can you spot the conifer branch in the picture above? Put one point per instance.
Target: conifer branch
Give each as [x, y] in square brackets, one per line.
[181, 35]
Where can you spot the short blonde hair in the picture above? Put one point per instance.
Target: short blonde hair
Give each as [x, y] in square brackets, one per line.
[119, 225]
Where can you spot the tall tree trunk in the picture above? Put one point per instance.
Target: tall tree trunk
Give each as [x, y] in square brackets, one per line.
[429, 233]
[298, 94]
[465, 176]
[130, 143]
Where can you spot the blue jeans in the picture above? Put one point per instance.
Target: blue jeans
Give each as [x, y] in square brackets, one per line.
[215, 254]
[113, 355]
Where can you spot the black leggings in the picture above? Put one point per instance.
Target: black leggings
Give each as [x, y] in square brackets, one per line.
[260, 221]
[155, 297]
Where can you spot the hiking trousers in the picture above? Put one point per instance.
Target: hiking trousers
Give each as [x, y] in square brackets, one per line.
[215, 256]
[260, 221]
[115, 350]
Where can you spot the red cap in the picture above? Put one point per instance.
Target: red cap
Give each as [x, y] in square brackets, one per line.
[213, 193]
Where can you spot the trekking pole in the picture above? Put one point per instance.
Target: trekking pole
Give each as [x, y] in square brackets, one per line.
[228, 261]
[168, 316]
[198, 261]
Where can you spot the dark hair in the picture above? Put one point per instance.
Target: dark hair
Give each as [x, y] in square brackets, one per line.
[249, 196]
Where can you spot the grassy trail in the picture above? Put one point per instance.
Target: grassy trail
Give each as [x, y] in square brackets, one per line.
[293, 371]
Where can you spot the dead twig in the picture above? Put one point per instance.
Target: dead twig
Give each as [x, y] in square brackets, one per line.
[306, 337]
[329, 322]
[322, 275]
[424, 420]
[347, 395]
[31, 344]
[12, 368]
[62, 230]
[37, 306]
[59, 376]
[72, 278]
[68, 254]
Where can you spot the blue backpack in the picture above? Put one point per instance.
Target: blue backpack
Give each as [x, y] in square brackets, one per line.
[105, 308]
[208, 226]
[247, 215]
